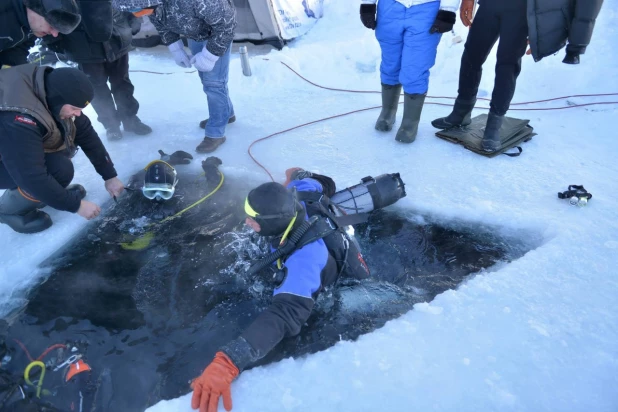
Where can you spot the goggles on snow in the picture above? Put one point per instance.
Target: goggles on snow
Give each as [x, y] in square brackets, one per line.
[577, 195]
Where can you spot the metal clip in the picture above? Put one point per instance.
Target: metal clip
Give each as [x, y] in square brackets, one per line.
[71, 359]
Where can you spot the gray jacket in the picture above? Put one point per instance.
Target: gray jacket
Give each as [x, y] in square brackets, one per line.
[212, 20]
[552, 22]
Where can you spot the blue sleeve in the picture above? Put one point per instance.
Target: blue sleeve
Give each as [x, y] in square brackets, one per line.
[306, 185]
[304, 269]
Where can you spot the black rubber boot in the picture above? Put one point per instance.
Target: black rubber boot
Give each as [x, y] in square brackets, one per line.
[203, 122]
[135, 125]
[412, 108]
[491, 137]
[390, 101]
[460, 116]
[21, 214]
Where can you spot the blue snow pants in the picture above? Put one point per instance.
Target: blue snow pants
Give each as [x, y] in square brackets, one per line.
[408, 49]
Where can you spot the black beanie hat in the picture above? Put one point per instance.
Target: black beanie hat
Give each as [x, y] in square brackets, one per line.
[67, 85]
[62, 15]
[275, 205]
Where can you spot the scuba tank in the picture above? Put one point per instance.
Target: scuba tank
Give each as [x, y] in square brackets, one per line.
[370, 194]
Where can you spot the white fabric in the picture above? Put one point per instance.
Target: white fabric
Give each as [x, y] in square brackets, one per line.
[450, 5]
[180, 55]
[295, 17]
[204, 61]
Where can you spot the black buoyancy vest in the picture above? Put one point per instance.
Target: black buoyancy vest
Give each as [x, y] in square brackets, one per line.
[331, 228]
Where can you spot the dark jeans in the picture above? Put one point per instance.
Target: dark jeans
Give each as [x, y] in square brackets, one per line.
[495, 19]
[117, 72]
[59, 167]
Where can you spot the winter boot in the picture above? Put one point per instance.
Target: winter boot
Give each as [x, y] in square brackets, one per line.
[412, 108]
[114, 133]
[390, 101]
[21, 214]
[135, 125]
[203, 122]
[460, 116]
[209, 144]
[491, 137]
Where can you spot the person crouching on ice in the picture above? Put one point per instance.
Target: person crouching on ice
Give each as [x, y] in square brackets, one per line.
[278, 211]
[41, 125]
[408, 32]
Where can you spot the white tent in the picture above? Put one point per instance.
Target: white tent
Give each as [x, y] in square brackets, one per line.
[259, 21]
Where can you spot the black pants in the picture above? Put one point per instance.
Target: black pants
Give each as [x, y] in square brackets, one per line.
[59, 166]
[115, 105]
[504, 19]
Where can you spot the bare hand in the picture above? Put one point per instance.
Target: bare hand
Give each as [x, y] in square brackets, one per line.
[466, 10]
[88, 210]
[529, 51]
[114, 186]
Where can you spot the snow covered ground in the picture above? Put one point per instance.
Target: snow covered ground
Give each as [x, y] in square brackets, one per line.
[538, 334]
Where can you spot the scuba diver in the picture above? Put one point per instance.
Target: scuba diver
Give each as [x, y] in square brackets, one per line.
[306, 220]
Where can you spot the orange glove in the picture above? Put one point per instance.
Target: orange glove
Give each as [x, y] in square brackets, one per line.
[214, 382]
[466, 10]
[288, 175]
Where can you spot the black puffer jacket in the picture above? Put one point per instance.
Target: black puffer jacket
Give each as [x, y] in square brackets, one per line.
[552, 22]
[14, 27]
[96, 41]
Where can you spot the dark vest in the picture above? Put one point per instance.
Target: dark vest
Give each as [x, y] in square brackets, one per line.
[22, 90]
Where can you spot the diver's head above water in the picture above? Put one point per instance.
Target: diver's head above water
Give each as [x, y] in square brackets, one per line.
[271, 209]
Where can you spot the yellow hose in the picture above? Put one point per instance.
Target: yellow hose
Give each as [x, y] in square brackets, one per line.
[27, 376]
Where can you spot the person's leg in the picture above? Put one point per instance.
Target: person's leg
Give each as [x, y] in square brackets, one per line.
[60, 167]
[122, 88]
[6, 181]
[419, 55]
[419, 47]
[220, 106]
[103, 102]
[19, 209]
[483, 35]
[511, 49]
[389, 33]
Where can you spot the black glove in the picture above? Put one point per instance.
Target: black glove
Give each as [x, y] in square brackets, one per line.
[368, 15]
[444, 22]
[211, 168]
[179, 157]
[572, 54]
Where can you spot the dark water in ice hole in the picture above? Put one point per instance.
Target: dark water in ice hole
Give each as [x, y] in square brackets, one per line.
[148, 321]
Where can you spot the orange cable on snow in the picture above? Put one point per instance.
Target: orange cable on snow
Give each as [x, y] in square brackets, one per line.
[453, 98]
[571, 106]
